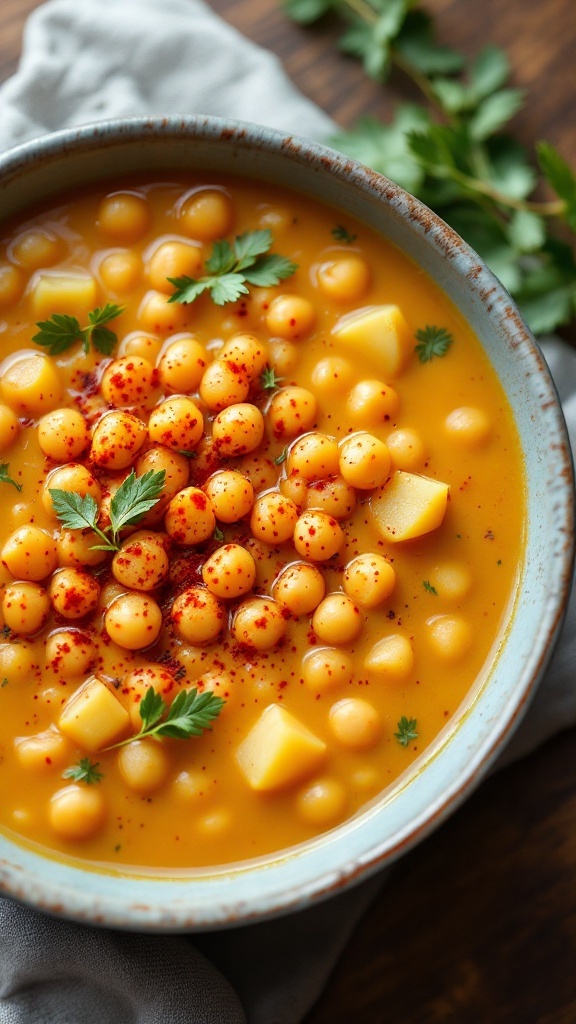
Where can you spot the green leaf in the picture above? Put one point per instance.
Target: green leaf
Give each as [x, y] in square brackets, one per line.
[84, 771]
[508, 168]
[232, 267]
[227, 288]
[5, 477]
[341, 234]
[75, 512]
[428, 587]
[526, 231]
[269, 270]
[360, 41]
[416, 44]
[104, 340]
[385, 147]
[187, 288]
[493, 112]
[221, 258]
[190, 714]
[58, 333]
[269, 380]
[134, 498]
[432, 341]
[406, 731]
[560, 177]
[151, 709]
[249, 245]
[544, 313]
[306, 11]
[489, 72]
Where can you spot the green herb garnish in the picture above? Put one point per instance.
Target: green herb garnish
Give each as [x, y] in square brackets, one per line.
[189, 715]
[5, 477]
[406, 731]
[428, 586]
[4, 683]
[452, 150]
[432, 341]
[282, 457]
[61, 331]
[231, 268]
[133, 499]
[341, 234]
[269, 380]
[84, 771]
[218, 534]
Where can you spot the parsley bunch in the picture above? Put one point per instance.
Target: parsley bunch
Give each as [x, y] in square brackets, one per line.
[232, 267]
[451, 151]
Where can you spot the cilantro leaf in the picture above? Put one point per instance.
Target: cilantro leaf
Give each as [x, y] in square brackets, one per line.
[84, 771]
[62, 331]
[432, 341]
[406, 731]
[5, 477]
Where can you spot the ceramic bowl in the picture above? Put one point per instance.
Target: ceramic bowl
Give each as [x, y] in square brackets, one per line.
[448, 771]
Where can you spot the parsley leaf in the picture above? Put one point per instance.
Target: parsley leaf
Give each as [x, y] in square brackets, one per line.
[428, 586]
[269, 380]
[62, 331]
[432, 341]
[84, 771]
[231, 268]
[282, 457]
[5, 477]
[341, 234]
[218, 534]
[189, 715]
[406, 731]
[133, 499]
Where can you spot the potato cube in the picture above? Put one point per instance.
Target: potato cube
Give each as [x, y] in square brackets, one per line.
[278, 751]
[73, 292]
[379, 332]
[94, 718]
[408, 506]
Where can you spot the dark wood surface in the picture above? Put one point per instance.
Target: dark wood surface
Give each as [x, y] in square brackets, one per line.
[478, 924]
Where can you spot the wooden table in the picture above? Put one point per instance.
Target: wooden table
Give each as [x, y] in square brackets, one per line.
[478, 924]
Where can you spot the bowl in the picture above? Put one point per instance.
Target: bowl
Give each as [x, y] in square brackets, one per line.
[448, 771]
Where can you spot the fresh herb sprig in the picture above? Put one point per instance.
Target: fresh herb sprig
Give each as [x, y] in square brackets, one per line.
[432, 341]
[84, 771]
[232, 267]
[406, 731]
[62, 331]
[189, 715]
[269, 380]
[5, 477]
[133, 499]
[451, 151]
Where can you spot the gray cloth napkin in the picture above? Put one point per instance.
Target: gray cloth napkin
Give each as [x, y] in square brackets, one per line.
[89, 59]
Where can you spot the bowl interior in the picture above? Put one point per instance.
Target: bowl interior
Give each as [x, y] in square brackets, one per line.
[450, 769]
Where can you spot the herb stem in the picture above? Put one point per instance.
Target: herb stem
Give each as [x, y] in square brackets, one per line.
[553, 208]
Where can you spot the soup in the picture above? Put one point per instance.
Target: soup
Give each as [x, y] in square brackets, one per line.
[257, 542]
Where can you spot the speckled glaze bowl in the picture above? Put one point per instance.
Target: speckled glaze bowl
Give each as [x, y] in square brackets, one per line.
[448, 771]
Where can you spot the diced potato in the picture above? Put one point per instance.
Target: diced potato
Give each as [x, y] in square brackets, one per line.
[74, 293]
[279, 751]
[408, 506]
[379, 332]
[93, 717]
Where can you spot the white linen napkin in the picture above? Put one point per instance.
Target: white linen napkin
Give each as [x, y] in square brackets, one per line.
[85, 60]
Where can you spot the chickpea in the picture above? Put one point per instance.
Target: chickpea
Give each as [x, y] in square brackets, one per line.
[176, 423]
[12, 284]
[116, 440]
[334, 496]
[247, 352]
[73, 593]
[345, 278]
[217, 822]
[364, 461]
[30, 553]
[450, 637]
[372, 402]
[292, 411]
[224, 383]
[296, 489]
[133, 621]
[259, 623]
[63, 434]
[182, 364]
[26, 607]
[142, 561]
[238, 429]
[77, 548]
[369, 579]
[190, 786]
[337, 619]
[140, 346]
[282, 356]
[36, 248]
[332, 376]
[43, 752]
[190, 517]
[159, 316]
[322, 802]
[9, 427]
[129, 380]
[198, 616]
[299, 587]
[74, 478]
[327, 668]
[77, 812]
[174, 257]
[273, 518]
[355, 723]
[144, 765]
[452, 580]
[391, 657]
[229, 572]
[313, 457]
[69, 652]
[135, 684]
[406, 449]
[317, 536]
[18, 661]
[291, 317]
[125, 216]
[231, 495]
[176, 468]
[206, 214]
[31, 385]
[120, 270]
[468, 425]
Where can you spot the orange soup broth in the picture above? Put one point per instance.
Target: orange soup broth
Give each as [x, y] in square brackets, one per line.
[221, 819]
